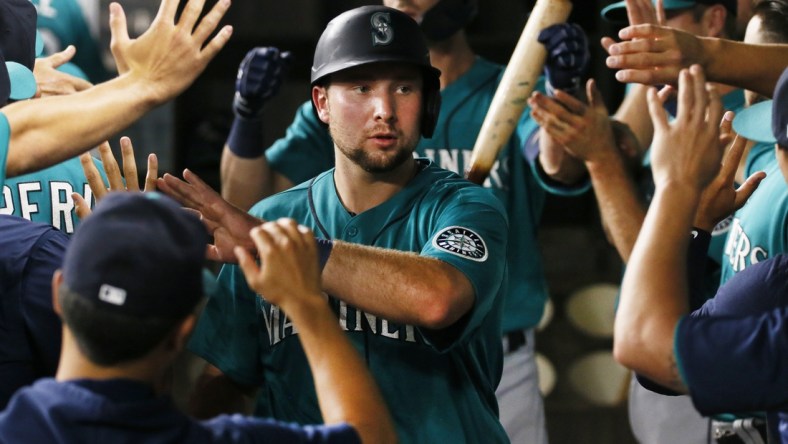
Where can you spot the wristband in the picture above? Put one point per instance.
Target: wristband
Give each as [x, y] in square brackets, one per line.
[324, 247]
[246, 138]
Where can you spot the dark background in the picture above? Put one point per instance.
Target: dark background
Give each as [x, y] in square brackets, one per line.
[190, 133]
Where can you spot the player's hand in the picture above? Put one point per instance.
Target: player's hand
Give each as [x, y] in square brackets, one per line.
[228, 225]
[52, 82]
[567, 56]
[114, 176]
[720, 199]
[584, 130]
[288, 273]
[688, 150]
[652, 54]
[259, 78]
[170, 54]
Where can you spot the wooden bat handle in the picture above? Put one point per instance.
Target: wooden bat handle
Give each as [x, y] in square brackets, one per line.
[518, 81]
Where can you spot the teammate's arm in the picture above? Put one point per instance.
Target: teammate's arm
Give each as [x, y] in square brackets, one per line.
[157, 66]
[654, 292]
[653, 55]
[289, 277]
[245, 173]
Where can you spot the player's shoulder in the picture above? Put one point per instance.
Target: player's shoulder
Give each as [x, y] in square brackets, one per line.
[448, 185]
[290, 199]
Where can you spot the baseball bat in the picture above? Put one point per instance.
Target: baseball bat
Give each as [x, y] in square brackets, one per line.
[518, 81]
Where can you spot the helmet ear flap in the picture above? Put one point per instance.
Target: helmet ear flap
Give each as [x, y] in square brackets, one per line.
[431, 109]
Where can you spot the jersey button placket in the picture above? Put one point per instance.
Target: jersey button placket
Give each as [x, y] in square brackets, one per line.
[351, 231]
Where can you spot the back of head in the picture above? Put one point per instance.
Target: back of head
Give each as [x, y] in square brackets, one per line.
[773, 16]
[374, 34]
[447, 17]
[132, 272]
[767, 122]
[17, 49]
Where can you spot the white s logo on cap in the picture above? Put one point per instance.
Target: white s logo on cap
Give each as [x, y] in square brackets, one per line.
[112, 295]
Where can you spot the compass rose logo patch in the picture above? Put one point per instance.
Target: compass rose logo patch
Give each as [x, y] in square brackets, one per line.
[461, 242]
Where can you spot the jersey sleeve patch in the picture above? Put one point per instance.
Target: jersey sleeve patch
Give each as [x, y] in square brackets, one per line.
[461, 241]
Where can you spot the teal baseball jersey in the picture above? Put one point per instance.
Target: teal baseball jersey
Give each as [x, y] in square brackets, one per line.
[439, 385]
[760, 228]
[307, 150]
[45, 196]
[62, 23]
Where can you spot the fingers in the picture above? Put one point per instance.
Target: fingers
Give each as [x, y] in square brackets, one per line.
[660, 10]
[749, 186]
[208, 24]
[247, 263]
[167, 11]
[95, 182]
[595, 99]
[129, 164]
[110, 167]
[570, 102]
[606, 43]
[658, 114]
[686, 96]
[118, 27]
[665, 93]
[153, 173]
[81, 206]
[191, 12]
[732, 158]
[62, 57]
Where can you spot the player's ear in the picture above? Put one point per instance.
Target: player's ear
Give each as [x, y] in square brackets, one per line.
[713, 20]
[320, 102]
[57, 279]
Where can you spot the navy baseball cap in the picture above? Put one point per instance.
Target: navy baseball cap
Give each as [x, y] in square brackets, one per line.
[767, 121]
[140, 255]
[617, 12]
[17, 50]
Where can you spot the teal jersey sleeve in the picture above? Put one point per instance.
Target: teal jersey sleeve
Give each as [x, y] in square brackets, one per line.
[471, 236]
[45, 195]
[226, 334]
[5, 136]
[305, 151]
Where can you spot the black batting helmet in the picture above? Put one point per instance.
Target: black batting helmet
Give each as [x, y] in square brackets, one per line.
[372, 34]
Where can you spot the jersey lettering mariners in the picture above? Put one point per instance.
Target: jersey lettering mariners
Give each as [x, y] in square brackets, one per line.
[740, 250]
[351, 319]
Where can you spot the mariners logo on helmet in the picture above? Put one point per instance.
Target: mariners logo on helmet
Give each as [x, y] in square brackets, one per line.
[461, 242]
[382, 34]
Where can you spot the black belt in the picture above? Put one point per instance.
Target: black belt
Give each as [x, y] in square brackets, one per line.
[740, 431]
[513, 341]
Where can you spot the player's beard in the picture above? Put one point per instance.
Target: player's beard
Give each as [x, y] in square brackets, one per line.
[377, 164]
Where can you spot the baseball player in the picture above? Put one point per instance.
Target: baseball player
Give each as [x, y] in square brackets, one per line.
[127, 291]
[416, 261]
[724, 356]
[468, 83]
[39, 133]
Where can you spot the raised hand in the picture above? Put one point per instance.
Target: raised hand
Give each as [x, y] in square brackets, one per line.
[112, 170]
[567, 56]
[720, 198]
[228, 224]
[52, 82]
[584, 130]
[170, 54]
[688, 150]
[259, 78]
[288, 273]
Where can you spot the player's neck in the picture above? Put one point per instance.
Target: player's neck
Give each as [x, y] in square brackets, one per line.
[359, 190]
[74, 364]
[453, 57]
[782, 160]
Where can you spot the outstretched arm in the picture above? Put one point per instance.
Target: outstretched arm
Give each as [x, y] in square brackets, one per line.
[245, 173]
[289, 277]
[653, 55]
[654, 293]
[156, 67]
